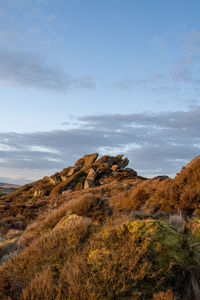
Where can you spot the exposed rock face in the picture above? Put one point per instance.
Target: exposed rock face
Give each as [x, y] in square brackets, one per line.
[89, 182]
[72, 171]
[86, 160]
[89, 172]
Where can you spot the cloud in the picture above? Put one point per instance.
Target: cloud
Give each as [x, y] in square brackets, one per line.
[158, 143]
[180, 76]
[192, 43]
[185, 61]
[148, 81]
[24, 69]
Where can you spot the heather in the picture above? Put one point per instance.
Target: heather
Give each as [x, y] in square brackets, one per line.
[97, 230]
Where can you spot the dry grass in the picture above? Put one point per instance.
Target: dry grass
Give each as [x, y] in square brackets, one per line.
[164, 296]
[114, 241]
[50, 250]
[130, 200]
[87, 205]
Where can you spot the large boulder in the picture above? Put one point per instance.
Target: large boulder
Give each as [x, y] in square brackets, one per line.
[73, 221]
[89, 182]
[86, 160]
[123, 163]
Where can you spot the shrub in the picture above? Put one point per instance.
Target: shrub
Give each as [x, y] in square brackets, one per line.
[189, 201]
[130, 200]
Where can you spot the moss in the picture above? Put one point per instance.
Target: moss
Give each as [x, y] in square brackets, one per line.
[139, 255]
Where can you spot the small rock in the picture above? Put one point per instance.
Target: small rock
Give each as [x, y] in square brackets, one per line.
[37, 193]
[88, 184]
[115, 168]
[119, 157]
[54, 178]
[123, 163]
[72, 171]
[63, 177]
[129, 170]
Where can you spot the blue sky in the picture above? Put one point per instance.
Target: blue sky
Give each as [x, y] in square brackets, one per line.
[105, 76]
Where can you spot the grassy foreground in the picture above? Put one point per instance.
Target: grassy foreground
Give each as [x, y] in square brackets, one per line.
[127, 238]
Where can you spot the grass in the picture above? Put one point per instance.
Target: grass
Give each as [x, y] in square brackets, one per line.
[120, 240]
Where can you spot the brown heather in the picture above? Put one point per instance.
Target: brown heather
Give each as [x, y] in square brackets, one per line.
[124, 237]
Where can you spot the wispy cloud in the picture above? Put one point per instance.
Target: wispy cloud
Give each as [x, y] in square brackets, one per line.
[25, 69]
[192, 42]
[129, 83]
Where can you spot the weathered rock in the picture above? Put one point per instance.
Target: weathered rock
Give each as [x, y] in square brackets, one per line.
[115, 168]
[102, 159]
[71, 171]
[63, 177]
[92, 175]
[54, 178]
[123, 163]
[119, 157]
[129, 170]
[72, 221]
[86, 160]
[103, 166]
[89, 159]
[37, 193]
[89, 182]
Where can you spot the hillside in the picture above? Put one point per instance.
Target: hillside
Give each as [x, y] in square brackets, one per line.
[97, 230]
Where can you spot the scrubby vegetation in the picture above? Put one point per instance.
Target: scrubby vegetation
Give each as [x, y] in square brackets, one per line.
[126, 237]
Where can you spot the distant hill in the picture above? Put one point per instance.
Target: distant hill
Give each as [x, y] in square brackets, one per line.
[7, 188]
[97, 230]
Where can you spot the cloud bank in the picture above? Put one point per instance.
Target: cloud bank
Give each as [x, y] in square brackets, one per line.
[155, 143]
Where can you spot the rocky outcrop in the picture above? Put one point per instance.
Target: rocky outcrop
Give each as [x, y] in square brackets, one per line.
[89, 172]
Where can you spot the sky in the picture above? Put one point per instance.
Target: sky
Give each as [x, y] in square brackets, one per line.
[106, 76]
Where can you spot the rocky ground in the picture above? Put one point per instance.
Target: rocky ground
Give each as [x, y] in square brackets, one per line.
[97, 230]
